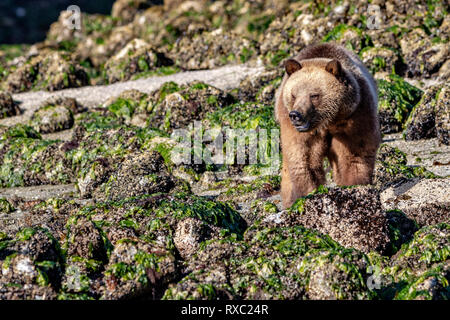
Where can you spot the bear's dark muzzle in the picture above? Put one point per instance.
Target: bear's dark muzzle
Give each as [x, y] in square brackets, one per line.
[299, 121]
[296, 116]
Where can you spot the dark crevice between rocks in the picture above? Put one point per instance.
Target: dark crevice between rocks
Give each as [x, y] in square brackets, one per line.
[401, 230]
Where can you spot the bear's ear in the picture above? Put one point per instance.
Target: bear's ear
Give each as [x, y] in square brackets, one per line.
[291, 66]
[334, 67]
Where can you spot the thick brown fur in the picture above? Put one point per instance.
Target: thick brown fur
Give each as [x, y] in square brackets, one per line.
[337, 98]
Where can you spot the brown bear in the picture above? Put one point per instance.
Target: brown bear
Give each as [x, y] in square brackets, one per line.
[326, 107]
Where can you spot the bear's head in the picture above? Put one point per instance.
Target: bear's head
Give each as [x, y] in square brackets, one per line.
[317, 92]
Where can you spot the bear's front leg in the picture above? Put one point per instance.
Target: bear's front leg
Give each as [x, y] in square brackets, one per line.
[302, 170]
[353, 160]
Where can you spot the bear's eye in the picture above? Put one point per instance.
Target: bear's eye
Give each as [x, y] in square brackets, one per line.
[292, 96]
[314, 96]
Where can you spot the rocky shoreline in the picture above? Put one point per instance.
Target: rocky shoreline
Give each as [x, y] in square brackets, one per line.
[93, 205]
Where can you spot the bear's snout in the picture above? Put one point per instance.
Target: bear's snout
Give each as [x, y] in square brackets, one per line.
[298, 121]
[296, 116]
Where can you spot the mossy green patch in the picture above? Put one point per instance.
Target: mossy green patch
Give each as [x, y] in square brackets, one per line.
[244, 116]
[212, 212]
[5, 206]
[25, 151]
[161, 71]
[259, 24]
[298, 206]
[20, 131]
[420, 269]
[244, 188]
[398, 97]
[394, 163]
[339, 32]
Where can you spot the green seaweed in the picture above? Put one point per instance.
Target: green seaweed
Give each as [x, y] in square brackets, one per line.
[398, 96]
[5, 206]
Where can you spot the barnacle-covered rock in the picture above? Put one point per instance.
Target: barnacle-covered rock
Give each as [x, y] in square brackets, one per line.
[50, 71]
[209, 50]
[52, 118]
[421, 123]
[274, 263]
[340, 214]
[138, 175]
[260, 87]
[443, 115]
[396, 100]
[137, 268]
[85, 240]
[391, 168]
[6, 206]
[136, 57]
[379, 59]
[8, 107]
[126, 10]
[420, 270]
[348, 36]
[426, 201]
[29, 160]
[423, 57]
[30, 264]
[99, 47]
[177, 107]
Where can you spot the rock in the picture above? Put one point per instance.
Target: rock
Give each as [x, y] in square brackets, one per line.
[443, 115]
[421, 123]
[421, 267]
[209, 285]
[136, 57]
[176, 107]
[353, 217]
[131, 105]
[396, 100]
[70, 103]
[85, 241]
[189, 234]
[444, 71]
[98, 173]
[52, 118]
[184, 6]
[431, 117]
[289, 33]
[139, 174]
[327, 272]
[5, 206]
[386, 41]
[272, 263]
[422, 56]
[251, 196]
[137, 268]
[260, 87]
[28, 160]
[346, 35]
[8, 107]
[61, 32]
[50, 71]
[176, 24]
[31, 266]
[126, 10]
[98, 48]
[28, 292]
[379, 59]
[425, 201]
[132, 95]
[210, 50]
[81, 279]
[391, 168]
